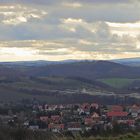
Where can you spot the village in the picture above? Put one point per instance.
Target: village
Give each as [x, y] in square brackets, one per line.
[74, 117]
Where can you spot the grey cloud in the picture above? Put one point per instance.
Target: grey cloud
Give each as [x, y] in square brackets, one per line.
[31, 1]
[104, 1]
[95, 34]
[115, 13]
[53, 53]
[59, 1]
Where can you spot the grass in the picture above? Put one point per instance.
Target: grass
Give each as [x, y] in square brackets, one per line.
[128, 136]
[117, 82]
[24, 134]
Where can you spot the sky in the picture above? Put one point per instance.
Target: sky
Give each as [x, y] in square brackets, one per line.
[69, 29]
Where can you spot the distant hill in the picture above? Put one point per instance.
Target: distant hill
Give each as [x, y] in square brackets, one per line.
[37, 63]
[129, 61]
[125, 61]
[86, 69]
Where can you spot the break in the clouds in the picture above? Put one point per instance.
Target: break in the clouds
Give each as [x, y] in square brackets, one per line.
[69, 29]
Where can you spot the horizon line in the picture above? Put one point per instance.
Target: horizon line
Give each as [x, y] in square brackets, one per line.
[69, 60]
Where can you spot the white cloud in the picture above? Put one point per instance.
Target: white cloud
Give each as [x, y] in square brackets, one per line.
[72, 4]
[72, 24]
[16, 14]
[72, 21]
[125, 28]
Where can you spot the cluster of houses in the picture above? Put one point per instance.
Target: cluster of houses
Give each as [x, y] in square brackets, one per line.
[81, 117]
[77, 117]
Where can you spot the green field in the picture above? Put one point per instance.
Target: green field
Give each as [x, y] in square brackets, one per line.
[118, 82]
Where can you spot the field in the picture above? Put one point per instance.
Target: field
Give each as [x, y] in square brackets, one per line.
[118, 82]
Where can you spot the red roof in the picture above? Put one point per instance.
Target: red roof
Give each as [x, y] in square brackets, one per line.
[117, 114]
[95, 105]
[117, 108]
[55, 118]
[88, 120]
[135, 108]
[85, 106]
[44, 118]
[57, 126]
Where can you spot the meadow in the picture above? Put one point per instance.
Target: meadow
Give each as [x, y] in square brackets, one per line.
[118, 82]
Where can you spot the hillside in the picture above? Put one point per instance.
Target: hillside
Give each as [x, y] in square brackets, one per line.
[89, 70]
[66, 80]
[84, 69]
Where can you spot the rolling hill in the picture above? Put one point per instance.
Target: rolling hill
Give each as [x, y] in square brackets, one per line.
[86, 69]
[135, 62]
[63, 80]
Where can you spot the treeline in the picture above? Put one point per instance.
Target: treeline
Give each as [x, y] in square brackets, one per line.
[63, 98]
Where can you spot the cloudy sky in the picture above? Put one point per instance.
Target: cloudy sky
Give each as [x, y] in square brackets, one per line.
[69, 29]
